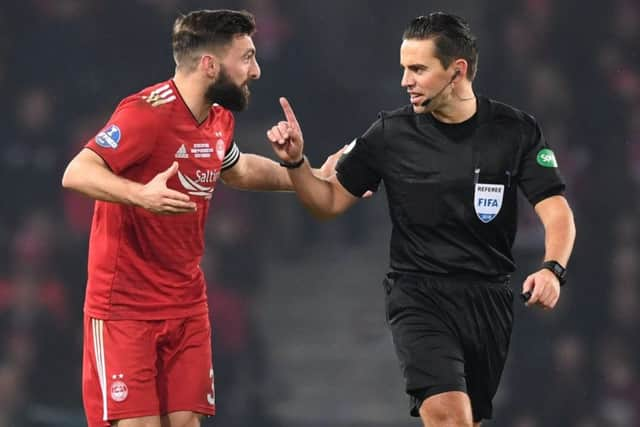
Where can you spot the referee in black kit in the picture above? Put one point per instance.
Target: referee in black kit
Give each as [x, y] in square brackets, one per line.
[451, 163]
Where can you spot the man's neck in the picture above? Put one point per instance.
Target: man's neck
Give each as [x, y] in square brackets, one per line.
[460, 108]
[192, 94]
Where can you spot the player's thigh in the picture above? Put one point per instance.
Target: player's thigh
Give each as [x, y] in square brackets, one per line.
[185, 379]
[119, 372]
[181, 419]
[153, 421]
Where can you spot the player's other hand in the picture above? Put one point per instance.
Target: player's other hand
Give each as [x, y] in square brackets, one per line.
[544, 287]
[286, 137]
[328, 168]
[156, 197]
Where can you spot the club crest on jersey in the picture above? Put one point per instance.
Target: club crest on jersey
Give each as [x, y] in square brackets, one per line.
[119, 391]
[487, 201]
[220, 149]
[109, 137]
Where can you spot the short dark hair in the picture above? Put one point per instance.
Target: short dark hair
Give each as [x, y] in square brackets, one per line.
[212, 29]
[452, 37]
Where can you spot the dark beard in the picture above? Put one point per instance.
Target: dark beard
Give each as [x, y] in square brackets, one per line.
[226, 93]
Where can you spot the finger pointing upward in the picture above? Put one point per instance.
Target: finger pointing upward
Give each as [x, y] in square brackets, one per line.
[288, 112]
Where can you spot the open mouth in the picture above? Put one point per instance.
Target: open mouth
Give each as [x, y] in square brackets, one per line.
[416, 98]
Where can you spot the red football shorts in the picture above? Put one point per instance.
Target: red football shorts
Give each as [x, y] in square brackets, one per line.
[137, 368]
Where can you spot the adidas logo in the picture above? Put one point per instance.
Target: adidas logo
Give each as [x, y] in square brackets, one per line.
[182, 153]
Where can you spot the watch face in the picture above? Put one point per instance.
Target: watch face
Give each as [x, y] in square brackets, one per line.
[556, 268]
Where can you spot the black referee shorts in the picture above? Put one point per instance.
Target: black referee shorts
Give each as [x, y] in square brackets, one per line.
[450, 335]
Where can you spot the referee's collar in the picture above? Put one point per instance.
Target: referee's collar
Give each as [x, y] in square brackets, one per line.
[483, 106]
[482, 114]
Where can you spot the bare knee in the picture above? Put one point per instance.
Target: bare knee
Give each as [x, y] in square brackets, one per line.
[153, 421]
[450, 409]
[181, 419]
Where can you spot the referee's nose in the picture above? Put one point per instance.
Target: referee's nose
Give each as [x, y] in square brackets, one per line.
[407, 79]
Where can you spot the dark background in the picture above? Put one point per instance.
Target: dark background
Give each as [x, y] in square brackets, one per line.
[300, 338]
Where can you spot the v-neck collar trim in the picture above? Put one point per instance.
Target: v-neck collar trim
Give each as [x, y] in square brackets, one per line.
[184, 104]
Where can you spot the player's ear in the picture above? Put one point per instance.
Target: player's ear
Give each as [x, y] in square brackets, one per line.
[210, 64]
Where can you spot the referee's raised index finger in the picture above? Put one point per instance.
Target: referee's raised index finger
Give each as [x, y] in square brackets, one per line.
[288, 111]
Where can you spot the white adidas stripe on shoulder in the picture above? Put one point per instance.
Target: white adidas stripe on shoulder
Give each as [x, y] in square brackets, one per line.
[160, 89]
[162, 95]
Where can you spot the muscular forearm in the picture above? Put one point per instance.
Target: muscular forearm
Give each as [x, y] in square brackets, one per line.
[560, 233]
[317, 194]
[98, 182]
[261, 174]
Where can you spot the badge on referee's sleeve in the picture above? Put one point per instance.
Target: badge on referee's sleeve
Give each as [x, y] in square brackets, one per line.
[487, 201]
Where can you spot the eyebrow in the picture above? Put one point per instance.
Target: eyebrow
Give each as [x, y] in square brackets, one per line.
[414, 66]
[249, 52]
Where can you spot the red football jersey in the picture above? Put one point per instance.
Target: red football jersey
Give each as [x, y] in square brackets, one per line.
[142, 265]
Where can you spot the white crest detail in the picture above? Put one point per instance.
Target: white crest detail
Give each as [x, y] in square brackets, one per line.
[119, 391]
[487, 201]
[220, 149]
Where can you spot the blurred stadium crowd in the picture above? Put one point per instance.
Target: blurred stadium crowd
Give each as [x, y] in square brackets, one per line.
[65, 64]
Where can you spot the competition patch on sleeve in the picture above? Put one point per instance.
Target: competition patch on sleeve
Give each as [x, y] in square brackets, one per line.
[546, 158]
[109, 137]
[487, 201]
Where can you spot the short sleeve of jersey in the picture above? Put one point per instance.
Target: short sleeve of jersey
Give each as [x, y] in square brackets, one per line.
[128, 137]
[539, 175]
[359, 171]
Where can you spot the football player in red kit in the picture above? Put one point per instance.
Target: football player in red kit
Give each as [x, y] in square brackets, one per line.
[152, 170]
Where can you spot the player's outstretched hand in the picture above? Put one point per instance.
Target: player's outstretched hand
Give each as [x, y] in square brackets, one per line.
[156, 197]
[544, 287]
[286, 137]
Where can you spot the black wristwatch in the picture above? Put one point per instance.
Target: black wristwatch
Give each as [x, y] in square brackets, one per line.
[556, 268]
[295, 165]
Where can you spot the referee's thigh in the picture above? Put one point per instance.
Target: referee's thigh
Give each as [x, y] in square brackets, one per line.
[430, 352]
[486, 330]
[450, 336]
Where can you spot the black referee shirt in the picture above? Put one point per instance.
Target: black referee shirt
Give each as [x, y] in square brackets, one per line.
[452, 188]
